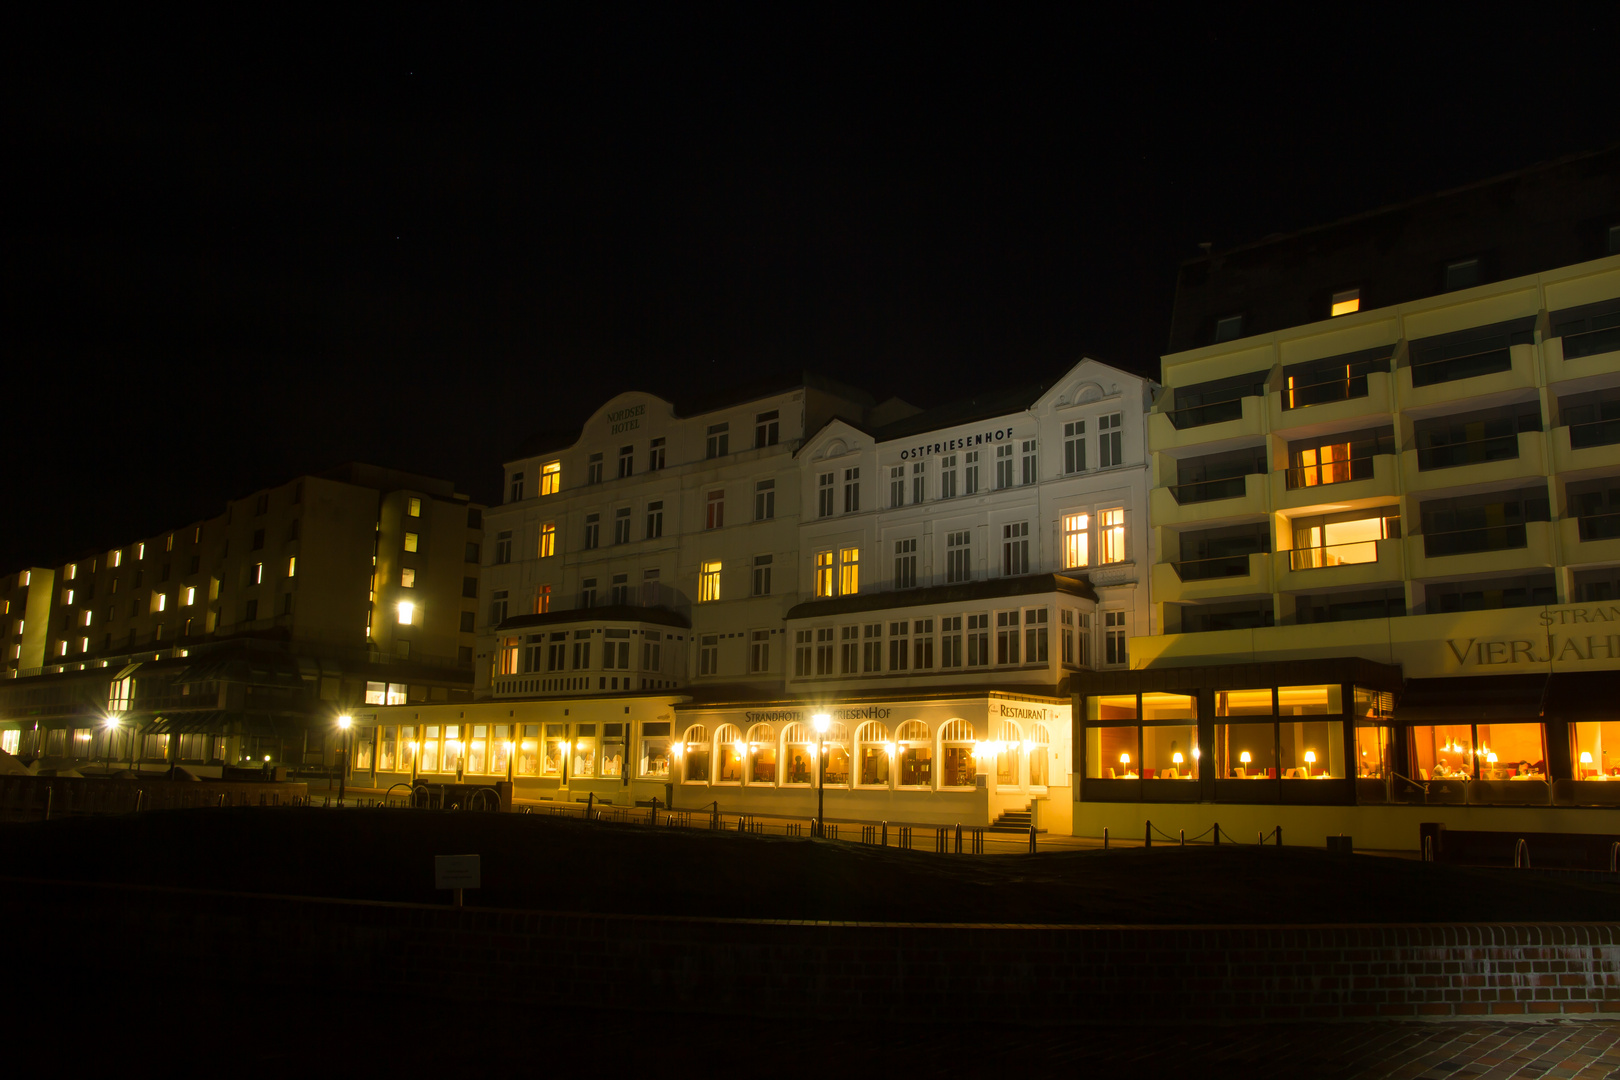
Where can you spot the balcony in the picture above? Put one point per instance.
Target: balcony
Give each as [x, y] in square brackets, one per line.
[1231, 496]
[1494, 549]
[1579, 355]
[1592, 539]
[1348, 481]
[1331, 403]
[1365, 562]
[1215, 422]
[1207, 579]
[1577, 447]
[1506, 457]
[1460, 378]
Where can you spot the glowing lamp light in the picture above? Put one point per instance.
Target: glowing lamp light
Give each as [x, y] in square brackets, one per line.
[112, 722]
[1491, 758]
[1124, 759]
[1196, 754]
[890, 748]
[1244, 757]
[267, 759]
[344, 721]
[1176, 757]
[822, 722]
[1310, 757]
[1586, 757]
[739, 746]
[407, 612]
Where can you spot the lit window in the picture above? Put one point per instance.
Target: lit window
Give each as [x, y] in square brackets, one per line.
[257, 574]
[1112, 523]
[407, 578]
[84, 644]
[67, 596]
[168, 542]
[542, 600]
[87, 617]
[824, 574]
[407, 612]
[413, 507]
[162, 601]
[191, 595]
[116, 558]
[709, 582]
[73, 571]
[551, 478]
[292, 566]
[1345, 302]
[140, 552]
[849, 571]
[1076, 540]
[24, 577]
[548, 539]
[410, 541]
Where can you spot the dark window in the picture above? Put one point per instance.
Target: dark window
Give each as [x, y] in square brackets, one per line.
[472, 552]
[1480, 350]
[258, 539]
[1350, 606]
[1596, 503]
[467, 622]
[475, 519]
[263, 505]
[1595, 585]
[1589, 329]
[1473, 437]
[1217, 476]
[1228, 328]
[250, 611]
[1241, 615]
[1489, 522]
[469, 586]
[1223, 552]
[1462, 274]
[1593, 418]
[1532, 590]
[464, 654]
[1217, 400]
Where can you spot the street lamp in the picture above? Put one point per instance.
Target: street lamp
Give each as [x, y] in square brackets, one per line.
[821, 722]
[344, 723]
[112, 730]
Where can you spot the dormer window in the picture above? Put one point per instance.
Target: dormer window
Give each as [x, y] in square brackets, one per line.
[1345, 302]
[1462, 274]
[1228, 328]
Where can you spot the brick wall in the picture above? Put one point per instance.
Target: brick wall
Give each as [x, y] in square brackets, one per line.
[887, 971]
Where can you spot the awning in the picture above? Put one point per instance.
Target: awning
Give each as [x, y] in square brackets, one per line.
[1470, 700]
[1584, 695]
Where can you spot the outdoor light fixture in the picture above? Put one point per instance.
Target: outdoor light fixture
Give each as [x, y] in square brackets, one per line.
[343, 723]
[821, 722]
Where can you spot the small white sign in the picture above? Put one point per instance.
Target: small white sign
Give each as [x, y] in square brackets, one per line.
[456, 871]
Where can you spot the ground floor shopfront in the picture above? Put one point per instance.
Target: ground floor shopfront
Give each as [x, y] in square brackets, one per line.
[960, 759]
[1328, 746]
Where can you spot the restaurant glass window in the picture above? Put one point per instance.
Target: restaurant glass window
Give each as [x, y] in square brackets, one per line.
[1372, 753]
[1324, 700]
[1009, 748]
[695, 754]
[873, 750]
[81, 744]
[1310, 749]
[453, 748]
[430, 748]
[1157, 708]
[1595, 749]
[1443, 751]
[729, 749]
[362, 749]
[584, 751]
[1244, 703]
[1246, 751]
[956, 754]
[612, 751]
[478, 749]
[1169, 751]
[1040, 747]
[1511, 751]
[1107, 707]
[761, 754]
[798, 755]
[500, 749]
[915, 750]
[1112, 752]
[837, 744]
[387, 748]
[157, 746]
[655, 748]
[556, 750]
[410, 748]
[528, 751]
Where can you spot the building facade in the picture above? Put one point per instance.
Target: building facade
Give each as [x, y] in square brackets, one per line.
[1385, 545]
[239, 638]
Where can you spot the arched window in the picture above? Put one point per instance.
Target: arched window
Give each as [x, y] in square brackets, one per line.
[694, 750]
[1008, 754]
[872, 751]
[798, 755]
[729, 749]
[916, 752]
[761, 754]
[1040, 751]
[837, 743]
[956, 754]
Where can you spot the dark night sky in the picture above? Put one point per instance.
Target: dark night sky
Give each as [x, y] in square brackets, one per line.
[241, 250]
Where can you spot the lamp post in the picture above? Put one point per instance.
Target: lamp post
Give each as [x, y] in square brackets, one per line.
[821, 722]
[344, 723]
[112, 730]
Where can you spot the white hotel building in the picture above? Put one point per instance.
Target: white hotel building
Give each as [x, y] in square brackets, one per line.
[672, 596]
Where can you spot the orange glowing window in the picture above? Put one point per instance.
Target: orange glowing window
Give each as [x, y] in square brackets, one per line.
[1346, 302]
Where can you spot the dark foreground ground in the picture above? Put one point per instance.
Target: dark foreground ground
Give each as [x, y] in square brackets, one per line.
[565, 865]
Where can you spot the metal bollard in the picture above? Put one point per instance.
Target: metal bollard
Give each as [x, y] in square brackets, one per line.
[1217, 834]
[959, 838]
[1105, 838]
[1183, 837]
[1148, 840]
[1032, 839]
[885, 834]
[1279, 836]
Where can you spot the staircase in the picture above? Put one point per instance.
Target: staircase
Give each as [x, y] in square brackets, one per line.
[1014, 821]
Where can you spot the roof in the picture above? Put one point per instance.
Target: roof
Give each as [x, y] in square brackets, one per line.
[968, 592]
[980, 406]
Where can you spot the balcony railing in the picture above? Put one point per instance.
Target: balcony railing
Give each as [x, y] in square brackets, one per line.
[1472, 541]
[1452, 368]
[1600, 526]
[1221, 566]
[1213, 413]
[1314, 558]
[1330, 472]
[1473, 452]
[1594, 433]
[1226, 487]
[1352, 384]
[1592, 342]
